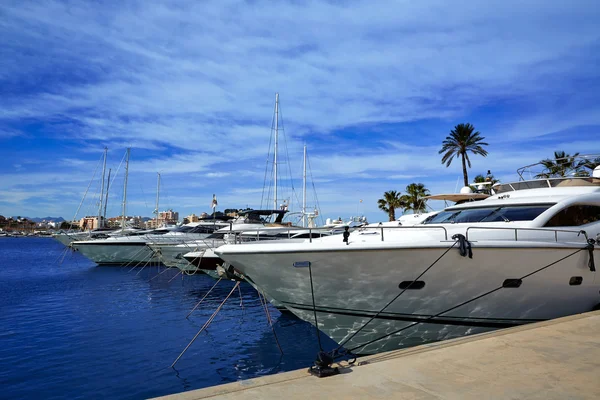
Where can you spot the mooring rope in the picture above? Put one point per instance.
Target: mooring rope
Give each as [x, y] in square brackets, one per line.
[207, 323]
[202, 299]
[312, 292]
[397, 296]
[269, 320]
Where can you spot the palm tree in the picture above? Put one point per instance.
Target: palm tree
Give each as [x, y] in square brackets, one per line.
[390, 202]
[459, 143]
[562, 165]
[413, 199]
[590, 164]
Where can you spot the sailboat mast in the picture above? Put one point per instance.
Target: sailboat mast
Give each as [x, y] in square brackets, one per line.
[106, 197]
[276, 145]
[304, 190]
[157, 196]
[125, 190]
[100, 224]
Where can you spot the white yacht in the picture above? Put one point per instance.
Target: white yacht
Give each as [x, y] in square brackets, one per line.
[133, 249]
[522, 255]
[249, 226]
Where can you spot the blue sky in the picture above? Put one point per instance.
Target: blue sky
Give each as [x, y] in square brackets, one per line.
[372, 88]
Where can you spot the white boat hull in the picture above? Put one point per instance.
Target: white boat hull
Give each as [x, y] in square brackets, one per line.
[352, 284]
[123, 253]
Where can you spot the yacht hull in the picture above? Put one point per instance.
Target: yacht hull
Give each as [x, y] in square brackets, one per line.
[352, 285]
[205, 259]
[68, 238]
[122, 253]
[171, 255]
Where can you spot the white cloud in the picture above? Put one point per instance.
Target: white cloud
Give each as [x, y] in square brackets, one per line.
[191, 85]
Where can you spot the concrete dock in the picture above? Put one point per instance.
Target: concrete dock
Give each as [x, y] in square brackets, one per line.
[558, 359]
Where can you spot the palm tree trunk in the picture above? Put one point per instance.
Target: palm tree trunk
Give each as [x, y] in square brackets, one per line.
[465, 169]
[392, 214]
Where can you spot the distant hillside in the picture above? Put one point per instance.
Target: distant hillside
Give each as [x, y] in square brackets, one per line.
[53, 219]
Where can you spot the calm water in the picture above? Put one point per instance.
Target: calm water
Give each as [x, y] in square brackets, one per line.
[71, 329]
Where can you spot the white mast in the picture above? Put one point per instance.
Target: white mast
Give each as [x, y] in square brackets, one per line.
[106, 198]
[304, 191]
[157, 197]
[276, 144]
[125, 189]
[99, 224]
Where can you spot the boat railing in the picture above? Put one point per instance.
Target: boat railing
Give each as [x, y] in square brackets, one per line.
[263, 234]
[520, 233]
[579, 165]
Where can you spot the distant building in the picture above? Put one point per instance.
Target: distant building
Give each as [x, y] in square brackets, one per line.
[168, 217]
[89, 222]
[192, 218]
[135, 221]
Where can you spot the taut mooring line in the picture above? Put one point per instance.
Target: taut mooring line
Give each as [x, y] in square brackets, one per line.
[202, 299]
[207, 323]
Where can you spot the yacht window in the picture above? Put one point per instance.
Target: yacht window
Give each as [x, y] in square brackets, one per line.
[184, 229]
[308, 235]
[216, 236]
[439, 218]
[203, 229]
[575, 216]
[516, 214]
[488, 214]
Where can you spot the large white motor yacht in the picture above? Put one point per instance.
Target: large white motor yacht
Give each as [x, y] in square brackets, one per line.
[133, 249]
[522, 255]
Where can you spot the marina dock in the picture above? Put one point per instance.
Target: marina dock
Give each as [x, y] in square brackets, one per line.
[555, 359]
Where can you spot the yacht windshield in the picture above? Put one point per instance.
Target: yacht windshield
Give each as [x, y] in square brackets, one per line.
[488, 214]
[184, 228]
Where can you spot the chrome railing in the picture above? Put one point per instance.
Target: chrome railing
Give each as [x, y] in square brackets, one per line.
[318, 232]
[552, 232]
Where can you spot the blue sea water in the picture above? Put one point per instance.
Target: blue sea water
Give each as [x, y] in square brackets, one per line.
[71, 329]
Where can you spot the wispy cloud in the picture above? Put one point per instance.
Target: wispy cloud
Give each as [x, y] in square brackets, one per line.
[371, 88]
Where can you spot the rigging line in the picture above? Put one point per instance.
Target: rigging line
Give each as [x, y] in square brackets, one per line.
[88, 188]
[267, 163]
[111, 182]
[398, 295]
[312, 292]
[144, 196]
[285, 145]
[465, 302]
[314, 189]
[207, 323]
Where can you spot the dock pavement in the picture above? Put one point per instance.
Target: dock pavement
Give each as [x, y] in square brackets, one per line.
[557, 359]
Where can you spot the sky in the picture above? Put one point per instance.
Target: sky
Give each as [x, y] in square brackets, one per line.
[371, 88]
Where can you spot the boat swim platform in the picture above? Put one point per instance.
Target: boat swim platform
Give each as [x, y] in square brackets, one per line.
[556, 359]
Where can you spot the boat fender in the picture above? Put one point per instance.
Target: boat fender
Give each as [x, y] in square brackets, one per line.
[464, 247]
[346, 235]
